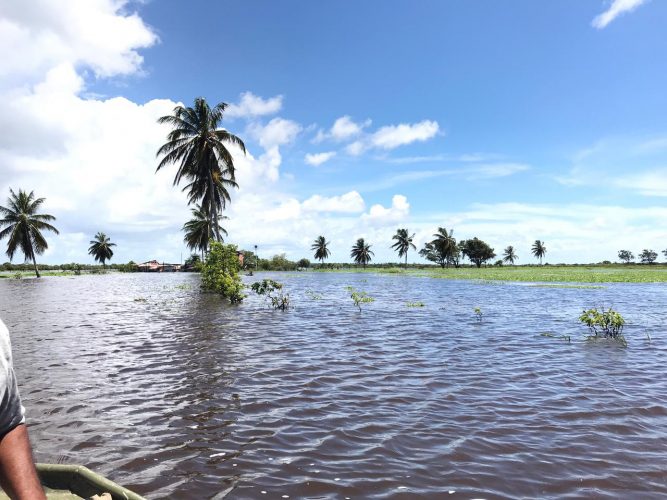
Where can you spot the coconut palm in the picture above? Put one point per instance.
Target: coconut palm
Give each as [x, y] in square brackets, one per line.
[100, 248]
[23, 225]
[445, 245]
[539, 250]
[199, 147]
[199, 231]
[320, 248]
[403, 243]
[509, 255]
[361, 252]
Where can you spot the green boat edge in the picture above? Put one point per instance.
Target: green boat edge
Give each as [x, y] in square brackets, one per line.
[76, 481]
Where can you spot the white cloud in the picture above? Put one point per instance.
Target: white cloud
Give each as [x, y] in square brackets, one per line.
[319, 158]
[351, 202]
[393, 136]
[616, 8]
[344, 128]
[92, 33]
[278, 132]
[252, 106]
[399, 210]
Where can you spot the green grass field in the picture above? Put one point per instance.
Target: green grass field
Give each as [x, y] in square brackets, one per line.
[556, 274]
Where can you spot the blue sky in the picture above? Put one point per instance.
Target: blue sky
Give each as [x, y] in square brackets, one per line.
[510, 121]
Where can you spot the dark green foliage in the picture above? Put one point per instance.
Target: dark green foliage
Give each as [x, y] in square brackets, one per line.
[648, 256]
[509, 255]
[626, 256]
[539, 250]
[303, 264]
[200, 229]
[192, 263]
[361, 252]
[220, 272]
[320, 248]
[443, 249]
[100, 248]
[477, 251]
[274, 291]
[130, 267]
[23, 226]
[198, 146]
[403, 243]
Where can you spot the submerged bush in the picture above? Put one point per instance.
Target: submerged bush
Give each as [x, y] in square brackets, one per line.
[607, 324]
[478, 313]
[359, 297]
[274, 291]
[220, 272]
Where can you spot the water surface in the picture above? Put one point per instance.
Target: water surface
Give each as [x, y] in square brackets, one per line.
[174, 394]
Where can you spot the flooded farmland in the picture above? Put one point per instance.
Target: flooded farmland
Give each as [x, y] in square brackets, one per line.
[176, 395]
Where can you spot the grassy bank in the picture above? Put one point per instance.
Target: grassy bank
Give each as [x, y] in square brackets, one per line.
[565, 274]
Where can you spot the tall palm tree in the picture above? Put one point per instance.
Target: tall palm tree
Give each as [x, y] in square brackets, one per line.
[320, 248]
[445, 244]
[509, 255]
[539, 250]
[100, 248]
[403, 243]
[199, 231]
[23, 225]
[361, 252]
[199, 147]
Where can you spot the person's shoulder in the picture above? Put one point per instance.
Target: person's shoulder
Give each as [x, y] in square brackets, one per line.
[5, 343]
[4, 333]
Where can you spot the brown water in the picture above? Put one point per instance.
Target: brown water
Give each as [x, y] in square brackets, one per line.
[175, 395]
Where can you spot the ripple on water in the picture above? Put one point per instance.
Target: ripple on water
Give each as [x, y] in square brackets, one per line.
[177, 395]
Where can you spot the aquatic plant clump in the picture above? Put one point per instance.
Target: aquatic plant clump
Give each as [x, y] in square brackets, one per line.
[604, 323]
[220, 272]
[273, 290]
[359, 297]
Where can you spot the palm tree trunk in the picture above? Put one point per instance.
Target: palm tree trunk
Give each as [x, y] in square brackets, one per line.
[406, 260]
[213, 211]
[34, 262]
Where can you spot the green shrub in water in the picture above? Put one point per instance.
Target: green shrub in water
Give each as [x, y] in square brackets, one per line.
[220, 272]
[274, 291]
[604, 323]
[359, 297]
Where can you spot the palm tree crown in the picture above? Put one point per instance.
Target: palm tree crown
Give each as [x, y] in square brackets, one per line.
[539, 250]
[320, 248]
[23, 225]
[100, 248]
[509, 255]
[199, 231]
[361, 252]
[403, 243]
[199, 147]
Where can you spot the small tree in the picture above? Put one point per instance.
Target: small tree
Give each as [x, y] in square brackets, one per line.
[509, 255]
[303, 263]
[220, 272]
[477, 251]
[648, 256]
[539, 250]
[626, 256]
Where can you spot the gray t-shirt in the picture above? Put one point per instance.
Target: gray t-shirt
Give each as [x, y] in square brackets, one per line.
[11, 411]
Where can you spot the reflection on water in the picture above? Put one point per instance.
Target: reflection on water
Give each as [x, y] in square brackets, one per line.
[174, 394]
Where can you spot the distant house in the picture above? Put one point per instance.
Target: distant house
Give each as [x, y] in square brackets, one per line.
[153, 266]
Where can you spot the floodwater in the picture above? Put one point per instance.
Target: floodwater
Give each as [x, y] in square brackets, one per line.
[176, 395]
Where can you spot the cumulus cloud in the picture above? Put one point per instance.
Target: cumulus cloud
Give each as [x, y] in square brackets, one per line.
[399, 209]
[252, 106]
[344, 128]
[616, 8]
[392, 136]
[277, 132]
[95, 34]
[319, 158]
[351, 202]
